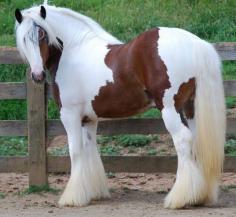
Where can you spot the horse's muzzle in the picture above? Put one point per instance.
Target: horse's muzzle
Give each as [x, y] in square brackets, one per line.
[38, 78]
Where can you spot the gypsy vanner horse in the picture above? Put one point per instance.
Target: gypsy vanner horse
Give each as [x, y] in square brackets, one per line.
[94, 76]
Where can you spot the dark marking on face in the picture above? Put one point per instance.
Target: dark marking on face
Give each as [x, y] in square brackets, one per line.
[184, 100]
[51, 56]
[139, 77]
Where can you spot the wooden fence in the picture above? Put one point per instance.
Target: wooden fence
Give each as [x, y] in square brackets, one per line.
[37, 128]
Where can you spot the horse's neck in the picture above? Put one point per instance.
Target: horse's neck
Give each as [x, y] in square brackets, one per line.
[53, 60]
[74, 31]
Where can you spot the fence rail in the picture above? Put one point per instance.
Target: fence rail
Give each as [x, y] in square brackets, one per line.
[37, 127]
[130, 164]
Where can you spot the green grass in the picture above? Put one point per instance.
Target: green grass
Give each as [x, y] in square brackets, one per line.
[230, 102]
[59, 151]
[133, 140]
[151, 113]
[109, 150]
[2, 195]
[230, 147]
[152, 152]
[33, 189]
[13, 146]
[212, 20]
[226, 188]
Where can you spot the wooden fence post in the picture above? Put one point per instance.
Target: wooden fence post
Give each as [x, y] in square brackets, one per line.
[36, 132]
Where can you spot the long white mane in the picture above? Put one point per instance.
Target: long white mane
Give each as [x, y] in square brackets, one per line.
[94, 26]
[26, 31]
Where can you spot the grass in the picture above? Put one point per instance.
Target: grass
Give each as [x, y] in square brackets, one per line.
[230, 102]
[2, 195]
[59, 151]
[109, 150]
[230, 147]
[152, 152]
[212, 20]
[226, 188]
[133, 140]
[33, 189]
[13, 146]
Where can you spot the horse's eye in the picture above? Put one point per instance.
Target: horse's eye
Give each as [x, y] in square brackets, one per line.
[41, 34]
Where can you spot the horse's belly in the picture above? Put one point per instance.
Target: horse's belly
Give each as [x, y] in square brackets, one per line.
[112, 103]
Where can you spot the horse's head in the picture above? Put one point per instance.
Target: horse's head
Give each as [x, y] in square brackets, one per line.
[33, 39]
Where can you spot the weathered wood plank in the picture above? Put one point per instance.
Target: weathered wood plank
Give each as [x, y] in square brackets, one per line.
[226, 50]
[112, 127]
[12, 90]
[231, 126]
[137, 164]
[14, 164]
[133, 164]
[17, 90]
[116, 127]
[131, 126]
[13, 128]
[10, 56]
[230, 87]
[36, 132]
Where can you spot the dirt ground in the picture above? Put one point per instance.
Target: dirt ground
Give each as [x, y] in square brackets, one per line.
[132, 195]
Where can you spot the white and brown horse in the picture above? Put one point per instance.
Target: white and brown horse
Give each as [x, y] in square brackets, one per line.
[97, 76]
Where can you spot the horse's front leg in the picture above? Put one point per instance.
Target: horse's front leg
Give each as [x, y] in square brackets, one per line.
[87, 180]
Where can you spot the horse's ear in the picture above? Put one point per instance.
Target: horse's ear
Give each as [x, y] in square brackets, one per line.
[18, 15]
[43, 12]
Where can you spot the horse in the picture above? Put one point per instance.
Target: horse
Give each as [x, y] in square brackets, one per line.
[96, 76]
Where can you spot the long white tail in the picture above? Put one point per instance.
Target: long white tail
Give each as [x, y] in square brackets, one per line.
[210, 117]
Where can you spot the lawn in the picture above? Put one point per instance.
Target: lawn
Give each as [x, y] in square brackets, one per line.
[214, 21]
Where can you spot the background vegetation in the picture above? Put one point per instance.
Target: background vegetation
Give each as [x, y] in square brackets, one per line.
[212, 20]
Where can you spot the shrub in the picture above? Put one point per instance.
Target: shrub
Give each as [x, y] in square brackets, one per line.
[133, 140]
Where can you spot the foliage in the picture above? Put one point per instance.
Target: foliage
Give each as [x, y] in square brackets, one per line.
[109, 150]
[133, 140]
[59, 151]
[152, 152]
[151, 113]
[230, 102]
[2, 195]
[53, 111]
[230, 147]
[103, 140]
[13, 146]
[33, 189]
[214, 20]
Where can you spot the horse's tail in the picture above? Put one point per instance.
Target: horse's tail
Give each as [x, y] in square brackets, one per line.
[210, 116]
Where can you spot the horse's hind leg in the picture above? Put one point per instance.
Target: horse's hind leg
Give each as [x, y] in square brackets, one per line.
[87, 180]
[190, 186]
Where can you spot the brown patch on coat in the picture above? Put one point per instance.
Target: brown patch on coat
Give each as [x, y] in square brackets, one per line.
[184, 100]
[51, 56]
[139, 74]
